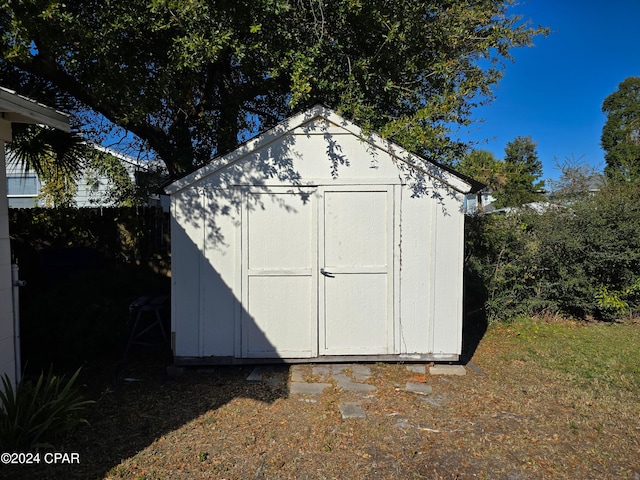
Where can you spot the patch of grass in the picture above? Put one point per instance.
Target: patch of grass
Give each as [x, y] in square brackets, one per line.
[589, 356]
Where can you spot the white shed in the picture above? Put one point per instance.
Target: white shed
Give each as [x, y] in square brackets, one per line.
[316, 241]
[14, 109]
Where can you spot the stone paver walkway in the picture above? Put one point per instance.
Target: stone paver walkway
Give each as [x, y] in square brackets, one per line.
[309, 381]
[458, 370]
[352, 410]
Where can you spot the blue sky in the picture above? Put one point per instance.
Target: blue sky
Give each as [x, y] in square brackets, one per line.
[554, 90]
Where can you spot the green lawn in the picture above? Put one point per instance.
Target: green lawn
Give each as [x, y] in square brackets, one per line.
[598, 357]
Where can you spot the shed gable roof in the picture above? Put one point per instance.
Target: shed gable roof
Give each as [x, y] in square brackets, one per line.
[299, 121]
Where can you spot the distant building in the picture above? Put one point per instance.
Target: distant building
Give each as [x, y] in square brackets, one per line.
[479, 202]
[24, 188]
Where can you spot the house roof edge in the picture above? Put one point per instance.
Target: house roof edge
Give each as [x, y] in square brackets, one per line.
[17, 108]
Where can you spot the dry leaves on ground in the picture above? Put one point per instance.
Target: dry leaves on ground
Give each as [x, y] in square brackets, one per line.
[515, 421]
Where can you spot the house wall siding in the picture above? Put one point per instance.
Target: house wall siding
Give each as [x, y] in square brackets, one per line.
[88, 192]
[7, 351]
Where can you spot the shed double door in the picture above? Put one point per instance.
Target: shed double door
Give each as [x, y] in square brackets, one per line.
[317, 273]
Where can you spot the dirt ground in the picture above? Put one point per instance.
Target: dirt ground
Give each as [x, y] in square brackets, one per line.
[506, 419]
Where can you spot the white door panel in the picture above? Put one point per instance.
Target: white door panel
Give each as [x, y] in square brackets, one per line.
[355, 314]
[355, 229]
[280, 234]
[282, 309]
[355, 295]
[279, 294]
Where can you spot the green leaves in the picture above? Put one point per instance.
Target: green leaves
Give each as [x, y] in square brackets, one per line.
[621, 132]
[581, 259]
[523, 169]
[483, 166]
[514, 180]
[55, 156]
[191, 78]
[33, 415]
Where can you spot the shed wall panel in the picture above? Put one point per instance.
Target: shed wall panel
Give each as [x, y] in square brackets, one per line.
[218, 274]
[416, 254]
[186, 245]
[449, 251]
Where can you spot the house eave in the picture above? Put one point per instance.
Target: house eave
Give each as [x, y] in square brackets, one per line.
[15, 108]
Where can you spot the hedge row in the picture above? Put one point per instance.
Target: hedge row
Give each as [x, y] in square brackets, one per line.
[579, 258]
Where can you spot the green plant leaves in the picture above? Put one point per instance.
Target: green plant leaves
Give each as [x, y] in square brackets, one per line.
[33, 415]
[580, 258]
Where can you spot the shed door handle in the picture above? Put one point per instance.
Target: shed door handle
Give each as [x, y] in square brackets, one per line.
[327, 274]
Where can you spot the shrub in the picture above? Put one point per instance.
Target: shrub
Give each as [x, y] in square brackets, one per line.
[33, 415]
[501, 253]
[590, 247]
[579, 258]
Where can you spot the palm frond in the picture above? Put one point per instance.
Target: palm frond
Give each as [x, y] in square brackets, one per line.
[38, 147]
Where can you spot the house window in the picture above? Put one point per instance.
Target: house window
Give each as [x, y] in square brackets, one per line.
[22, 190]
[22, 185]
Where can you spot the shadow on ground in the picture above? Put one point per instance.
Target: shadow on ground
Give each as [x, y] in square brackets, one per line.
[140, 406]
[473, 330]
[475, 322]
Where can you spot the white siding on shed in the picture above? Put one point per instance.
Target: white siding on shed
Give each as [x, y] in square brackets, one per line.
[315, 241]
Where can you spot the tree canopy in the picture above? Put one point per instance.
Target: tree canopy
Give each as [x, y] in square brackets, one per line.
[483, 166]
[621, 132]
[191, 79]
[523, 170]
[514, 181]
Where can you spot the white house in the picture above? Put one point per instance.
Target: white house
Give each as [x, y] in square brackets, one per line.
[317, 242]
[24, 187]
[479, 201]
[14, 109]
